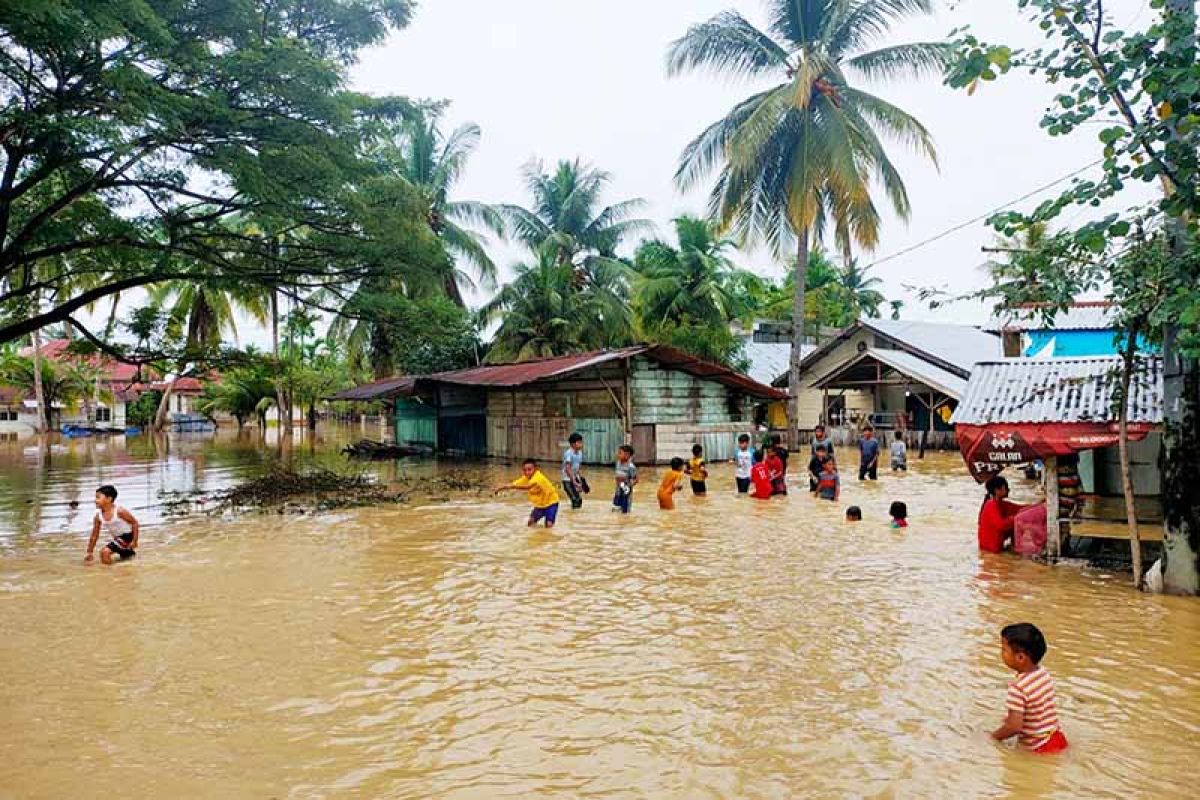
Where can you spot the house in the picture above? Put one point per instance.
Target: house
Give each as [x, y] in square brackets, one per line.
[660, 399]
[116, 387]
[892, 374]
[1083, 329]
[767, 349]
[1062, 411]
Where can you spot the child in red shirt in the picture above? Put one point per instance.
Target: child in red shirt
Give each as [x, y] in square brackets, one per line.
[997, 516]
[760, 476]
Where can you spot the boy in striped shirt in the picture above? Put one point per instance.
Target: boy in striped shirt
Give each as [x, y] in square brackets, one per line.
[1031, 704]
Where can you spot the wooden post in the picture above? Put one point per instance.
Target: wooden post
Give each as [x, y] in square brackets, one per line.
[1050, 482]
[824, 420]
[628, 394]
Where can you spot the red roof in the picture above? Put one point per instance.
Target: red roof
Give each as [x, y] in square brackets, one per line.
[116, 371]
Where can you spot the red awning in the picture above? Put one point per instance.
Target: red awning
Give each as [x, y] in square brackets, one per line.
[988, 449]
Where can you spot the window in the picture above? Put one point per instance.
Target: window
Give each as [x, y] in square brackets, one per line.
[103, 414]
[8, 415]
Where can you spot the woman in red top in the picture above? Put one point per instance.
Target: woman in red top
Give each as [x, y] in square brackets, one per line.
[997, 516]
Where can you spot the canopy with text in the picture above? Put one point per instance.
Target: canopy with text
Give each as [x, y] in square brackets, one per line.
[988, 449]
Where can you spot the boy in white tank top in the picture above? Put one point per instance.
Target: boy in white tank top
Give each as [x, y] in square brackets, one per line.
[121, 527]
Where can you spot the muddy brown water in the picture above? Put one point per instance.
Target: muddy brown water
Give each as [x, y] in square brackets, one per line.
[732, 648]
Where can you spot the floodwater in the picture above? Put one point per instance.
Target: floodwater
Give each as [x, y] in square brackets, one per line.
[732, 648]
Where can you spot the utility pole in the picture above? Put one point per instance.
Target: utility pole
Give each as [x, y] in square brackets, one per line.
[1181, 386]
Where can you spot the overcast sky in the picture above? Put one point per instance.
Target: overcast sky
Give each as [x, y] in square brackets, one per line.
[555, 79]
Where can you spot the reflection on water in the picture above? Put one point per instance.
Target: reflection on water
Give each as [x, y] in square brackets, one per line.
[733, 648]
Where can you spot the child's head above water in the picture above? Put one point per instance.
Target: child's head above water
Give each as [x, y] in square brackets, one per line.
[106, 495]
[853, 514]
[1022, 646]
[819, 431]
[677, 464]
[697, 450]
[899, 435]
[575, 440]
[624, 453]
[899, 510]
[528, 467]
[744, 441]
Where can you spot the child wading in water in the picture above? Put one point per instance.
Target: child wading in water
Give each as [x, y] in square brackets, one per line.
[745, 462]
[672, 482]
[626, 475]
[899, 512]
[760, 476]
[829, 484]
[573, 482]
[542, 494]
[121, 527]
[1032, 707]
[899, 453]
[697, 470]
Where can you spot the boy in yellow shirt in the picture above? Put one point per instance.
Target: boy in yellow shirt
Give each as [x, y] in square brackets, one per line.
[542, 493]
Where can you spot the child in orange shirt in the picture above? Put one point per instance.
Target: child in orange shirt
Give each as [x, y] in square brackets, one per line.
[672, 482]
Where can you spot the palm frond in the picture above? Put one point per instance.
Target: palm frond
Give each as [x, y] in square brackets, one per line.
[912, 60]
[727, 44]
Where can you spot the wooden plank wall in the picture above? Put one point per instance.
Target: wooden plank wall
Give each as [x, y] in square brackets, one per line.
[666, 396]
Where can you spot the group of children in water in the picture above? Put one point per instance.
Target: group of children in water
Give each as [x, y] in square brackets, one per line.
[759, 473]
[1030, 705]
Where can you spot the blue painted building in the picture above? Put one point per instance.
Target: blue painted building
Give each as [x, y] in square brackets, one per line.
[1084, 329]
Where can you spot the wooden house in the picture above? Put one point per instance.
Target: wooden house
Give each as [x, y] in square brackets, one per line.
[659, 399]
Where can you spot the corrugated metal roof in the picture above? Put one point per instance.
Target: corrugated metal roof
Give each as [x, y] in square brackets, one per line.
[521, 372]
[378, 390]
[769, 360]
[1094, 315]
[525, 372]
[960, 346]
[908, 364]
[1059, 390]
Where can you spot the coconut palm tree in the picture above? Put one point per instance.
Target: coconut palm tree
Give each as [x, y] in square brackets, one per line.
[566, 217]
[200, 315]
[544, 312]
[859, 289]
[695, 280]
[800, 159]
[433, 163]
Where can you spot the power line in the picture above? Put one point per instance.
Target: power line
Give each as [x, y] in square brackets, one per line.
[981, 217]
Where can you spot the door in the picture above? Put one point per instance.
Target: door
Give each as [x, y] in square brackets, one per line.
[645, 446]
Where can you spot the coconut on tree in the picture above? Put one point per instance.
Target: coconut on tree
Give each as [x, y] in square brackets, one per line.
[804, 158]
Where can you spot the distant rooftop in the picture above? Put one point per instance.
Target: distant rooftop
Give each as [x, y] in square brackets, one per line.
[1088, 315]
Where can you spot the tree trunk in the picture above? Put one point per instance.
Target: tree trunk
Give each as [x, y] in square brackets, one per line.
[39, 393]
[164, 407]
[312, 417]
[283, 403]
[1181, 428]
[797, 354]
[1135, 544]
[96, 398]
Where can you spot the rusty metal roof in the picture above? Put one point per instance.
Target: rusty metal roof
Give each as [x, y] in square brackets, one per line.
[522, 373]
[1032, 390]
[378, 390]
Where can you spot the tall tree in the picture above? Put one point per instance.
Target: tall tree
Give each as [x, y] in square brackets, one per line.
[434, 162]
[859, 289]
[1141, 86]
[200, 315]
[544, 311]
[801, 158]
[130, 129]
[566, 218]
